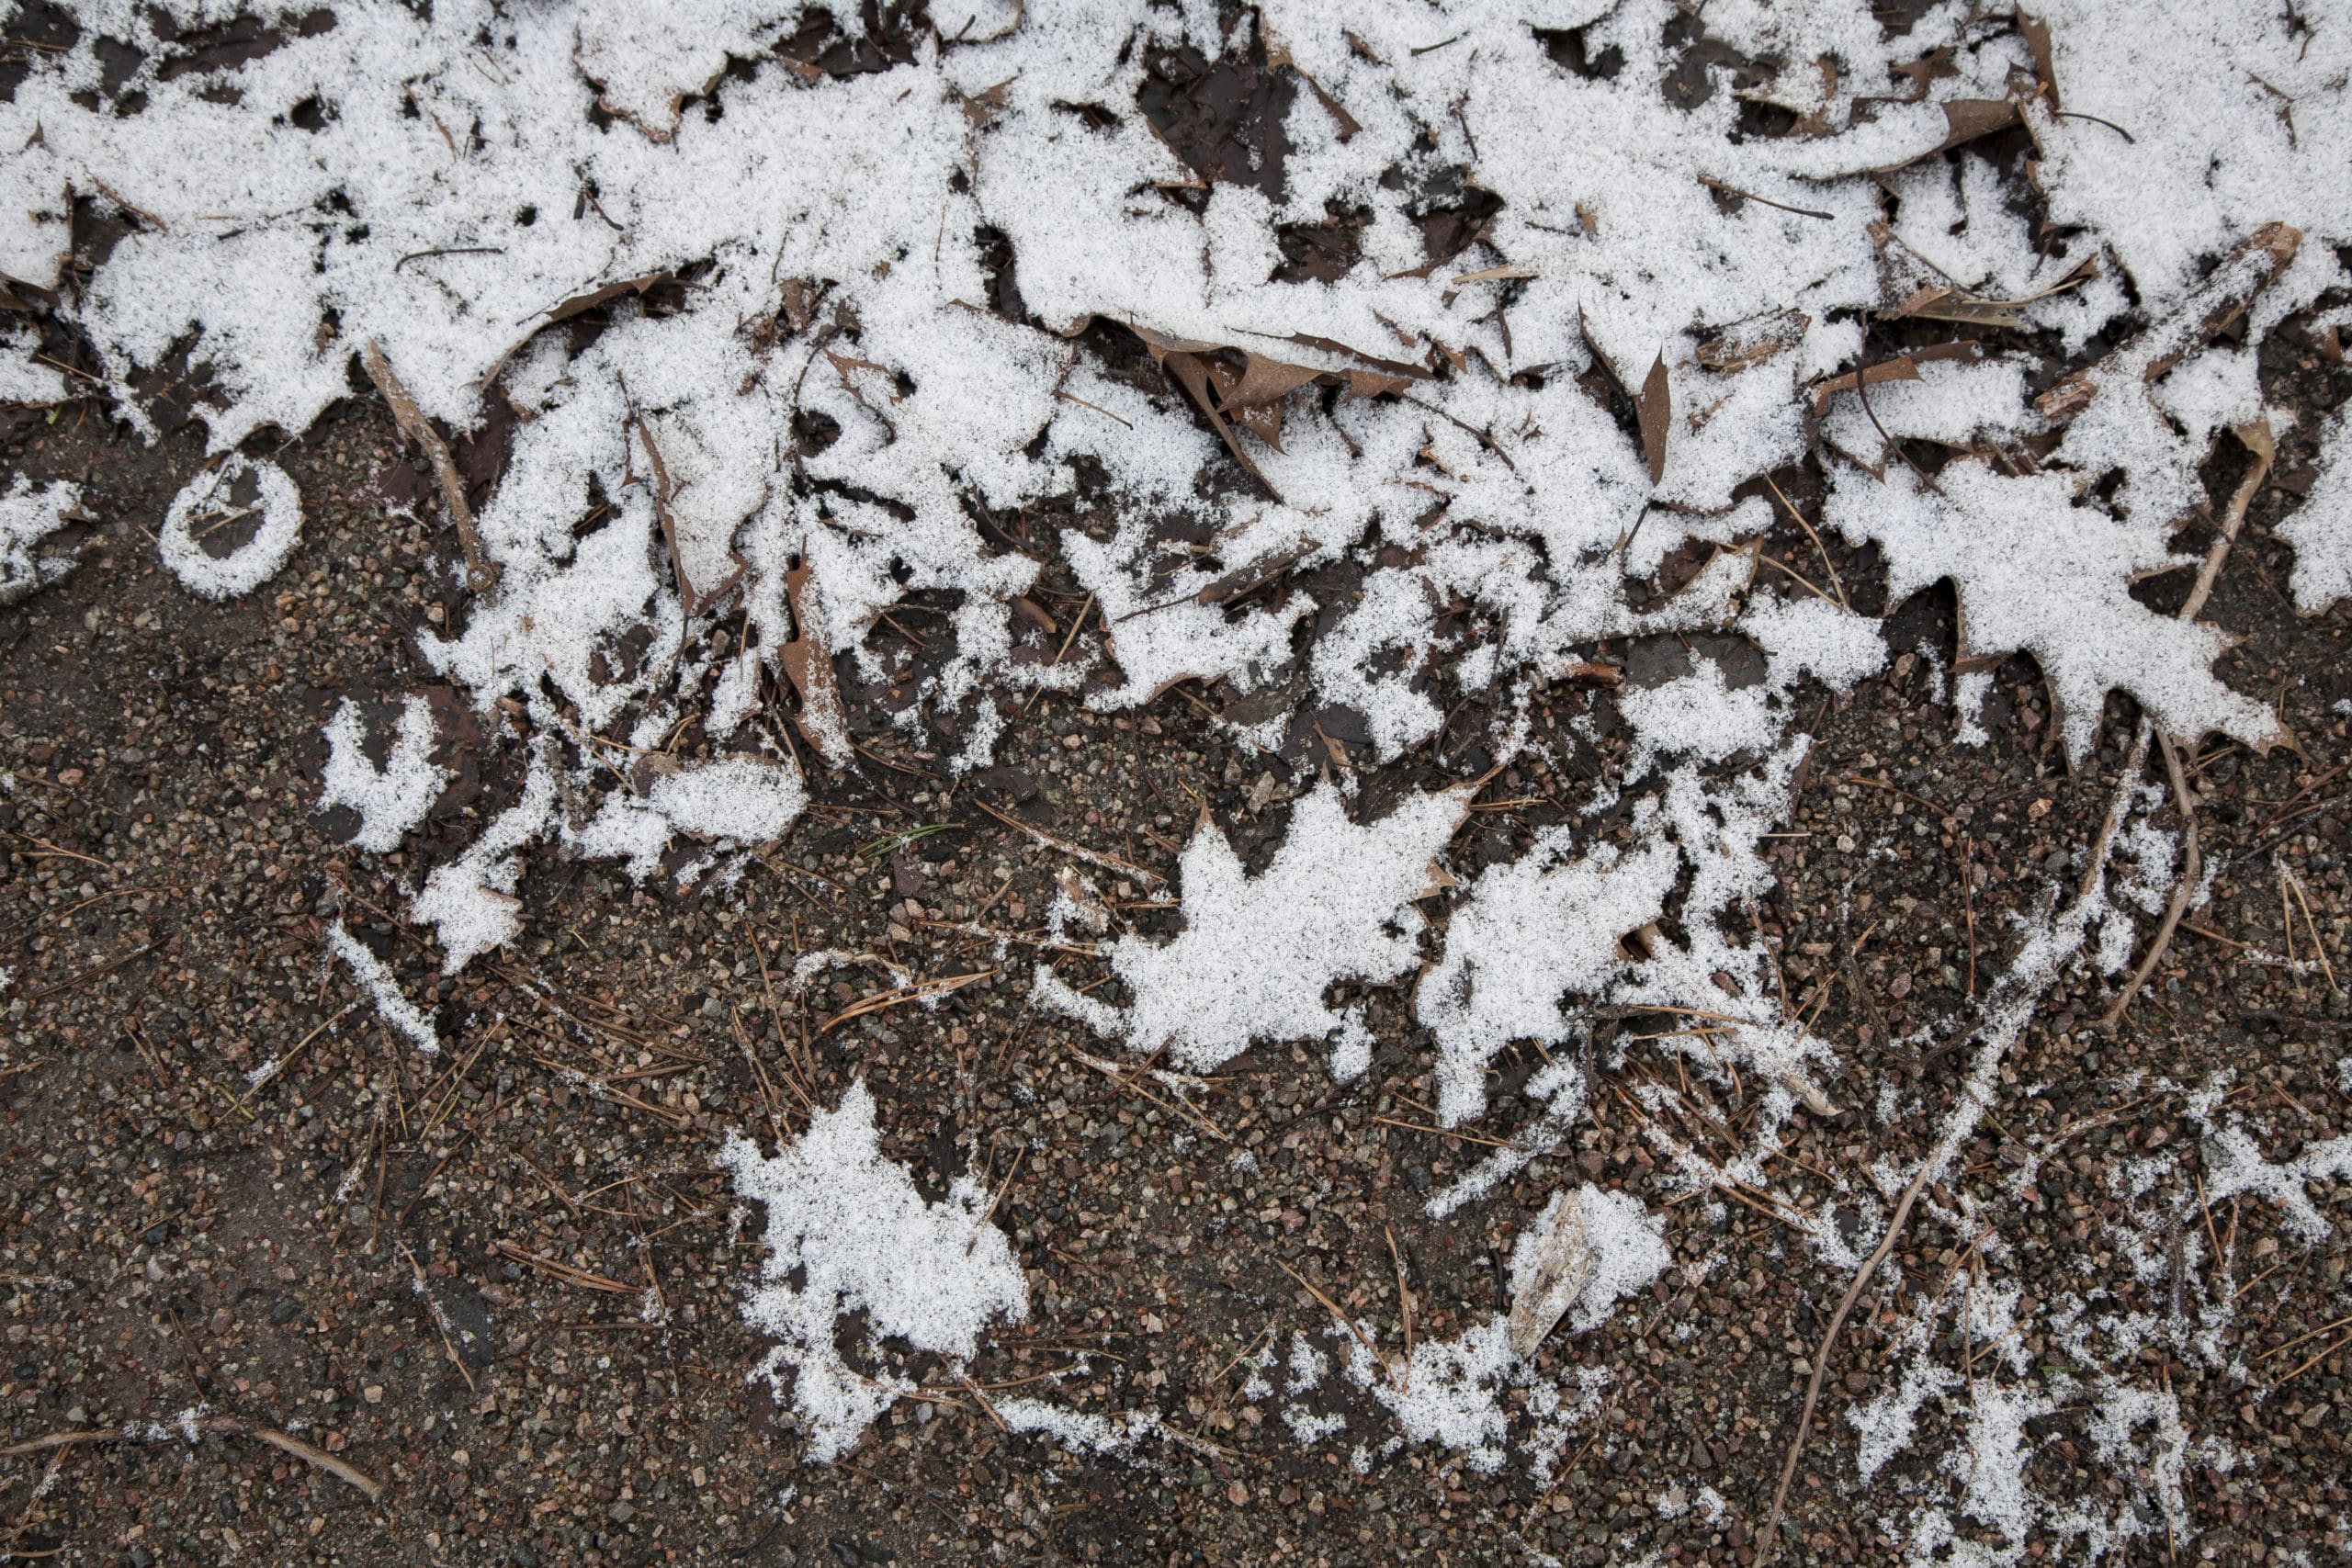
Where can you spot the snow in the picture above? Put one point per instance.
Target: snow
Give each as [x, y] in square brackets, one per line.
[847, 1233]
[1257, 952]
[2322, 531]
[205, 505]
[24, 378]
[376, 977]
[28, 517]
[786, 252]
[390, 800]
[2036, 570]
[1526, 933]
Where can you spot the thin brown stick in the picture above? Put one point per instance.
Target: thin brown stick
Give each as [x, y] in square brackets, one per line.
[224, 1426]
[1771, 1543]
[2281, 1350]
[1446, 1133]
[1713, 183]
[1063, 651]
[1108, 863]
[1333, 1309]
[2192, 870]
[898, 996]
[2126, 781]
[482, 573]
[2324, 1353]
[440, 1321]
[1403, 1299]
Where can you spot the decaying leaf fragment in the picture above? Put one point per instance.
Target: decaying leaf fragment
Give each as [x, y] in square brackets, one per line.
[1743, 345]
[810, 670]
[1561, 1265]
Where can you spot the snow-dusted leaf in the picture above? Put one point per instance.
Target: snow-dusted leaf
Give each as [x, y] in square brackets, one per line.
[1528, 931]
[2038, 569]
[847, 1231]
[1257, 952]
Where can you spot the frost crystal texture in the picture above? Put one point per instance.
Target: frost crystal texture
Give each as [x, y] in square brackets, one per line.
[848, 1232]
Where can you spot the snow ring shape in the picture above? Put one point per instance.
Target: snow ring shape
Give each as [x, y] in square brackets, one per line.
[252, 563]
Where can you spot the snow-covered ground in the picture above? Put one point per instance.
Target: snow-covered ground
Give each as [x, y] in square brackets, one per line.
[1578, 315]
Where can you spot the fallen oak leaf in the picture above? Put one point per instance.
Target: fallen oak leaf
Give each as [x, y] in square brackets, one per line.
[2216, 302]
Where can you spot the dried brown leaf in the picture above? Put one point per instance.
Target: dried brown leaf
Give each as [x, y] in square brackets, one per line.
[1655, 410]
[2037, 44]
[810, 667]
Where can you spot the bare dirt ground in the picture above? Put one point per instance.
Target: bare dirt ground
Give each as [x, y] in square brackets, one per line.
[433, 1268]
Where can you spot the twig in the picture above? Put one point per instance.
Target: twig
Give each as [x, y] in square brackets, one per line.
[2077, 113]
[95, 972]
[2192, 870]
[1108, 863]
[1446, 1133]
[1771, 1542]
[224, 1426]
[899, 995]
[1404, 1302]
[2256, 438]
[2323, 1354]
[1064, 650]
[584, 1278]
[1333, 1309]
[2281, 1350]
[1968, 904]
[482, 573]
[1817, 545]
[1713, 183]
[440, 1320]
[449, 251]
